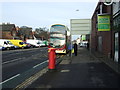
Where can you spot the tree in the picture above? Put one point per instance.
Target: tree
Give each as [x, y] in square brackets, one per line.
[25, 32]
[41, 33]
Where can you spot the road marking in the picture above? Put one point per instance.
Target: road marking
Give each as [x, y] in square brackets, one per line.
[30, 80]
[12, 60]
[40, 64]
[9, 79]
[12, 53]
[65, 71]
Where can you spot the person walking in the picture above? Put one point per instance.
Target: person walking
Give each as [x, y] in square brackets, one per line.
[70, 49]
[88, 45]
[75, 48]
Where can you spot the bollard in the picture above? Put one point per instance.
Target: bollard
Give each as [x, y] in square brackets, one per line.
[52, 59]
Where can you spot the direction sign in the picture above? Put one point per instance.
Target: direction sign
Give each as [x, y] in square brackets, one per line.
[80, 26]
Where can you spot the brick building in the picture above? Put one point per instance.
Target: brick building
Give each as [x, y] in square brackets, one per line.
[106, 42]
[8, 31]
[116, 30]
[101, 40]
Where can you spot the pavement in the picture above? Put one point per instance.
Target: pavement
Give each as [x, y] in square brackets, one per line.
[85, 70]
[108, 61]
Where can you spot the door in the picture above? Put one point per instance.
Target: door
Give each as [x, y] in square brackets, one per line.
[100, 43]
[116, 48]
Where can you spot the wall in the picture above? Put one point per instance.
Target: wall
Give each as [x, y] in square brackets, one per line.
[105, 36]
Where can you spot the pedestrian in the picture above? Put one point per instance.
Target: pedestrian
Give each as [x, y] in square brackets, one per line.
[70, 49]
[75, 49]
[88, 45]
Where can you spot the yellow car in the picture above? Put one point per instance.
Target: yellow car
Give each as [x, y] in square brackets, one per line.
[18, 43]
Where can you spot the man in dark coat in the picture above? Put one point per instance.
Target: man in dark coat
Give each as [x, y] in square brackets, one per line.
[75, 49]
[88, 45]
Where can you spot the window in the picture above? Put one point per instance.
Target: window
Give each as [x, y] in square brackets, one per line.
[21, 43]
[5, 43]
[119, 5]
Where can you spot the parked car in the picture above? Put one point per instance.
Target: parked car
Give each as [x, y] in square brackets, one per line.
[27, 45]
[41, 44]
[45, 42]
[83, 44]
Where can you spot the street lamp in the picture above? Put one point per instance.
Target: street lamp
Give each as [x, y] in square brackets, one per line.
[108, 2]
[77, 9]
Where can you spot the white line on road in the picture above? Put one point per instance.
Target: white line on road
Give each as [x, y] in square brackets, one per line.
[9, 79]
[12, 61]
[12, 53]
[40, 64]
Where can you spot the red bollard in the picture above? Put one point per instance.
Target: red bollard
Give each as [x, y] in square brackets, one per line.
[52, 59]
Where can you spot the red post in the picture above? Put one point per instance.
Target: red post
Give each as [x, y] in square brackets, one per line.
[52, 58]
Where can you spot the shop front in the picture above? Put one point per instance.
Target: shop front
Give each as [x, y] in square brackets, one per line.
[116, 28]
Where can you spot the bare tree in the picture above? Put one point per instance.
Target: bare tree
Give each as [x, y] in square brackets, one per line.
[41, 33]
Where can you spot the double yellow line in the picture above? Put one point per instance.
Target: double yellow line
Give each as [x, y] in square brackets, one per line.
[30, 80]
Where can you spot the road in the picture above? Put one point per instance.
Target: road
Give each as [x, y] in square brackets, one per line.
[22, 62]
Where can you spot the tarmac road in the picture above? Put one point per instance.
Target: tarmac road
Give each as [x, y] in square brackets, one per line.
[16, 63]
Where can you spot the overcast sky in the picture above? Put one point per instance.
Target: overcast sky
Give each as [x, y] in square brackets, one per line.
[44, 14]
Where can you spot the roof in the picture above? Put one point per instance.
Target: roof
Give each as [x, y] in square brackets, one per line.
[7, 27]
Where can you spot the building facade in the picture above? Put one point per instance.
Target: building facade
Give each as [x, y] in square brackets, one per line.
[106, 42]
[8, 31]
[101, 41]
[116, 30]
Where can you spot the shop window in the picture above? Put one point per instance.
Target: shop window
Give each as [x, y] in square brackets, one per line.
[119, 5]
[104, 9]
[116, 47]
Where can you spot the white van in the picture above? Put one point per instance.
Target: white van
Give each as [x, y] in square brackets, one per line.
[83, 44]
[1, 48]
[40, 43]
[6, 44]
[33, 42]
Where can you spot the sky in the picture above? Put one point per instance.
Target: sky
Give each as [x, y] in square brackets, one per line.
[41, 13]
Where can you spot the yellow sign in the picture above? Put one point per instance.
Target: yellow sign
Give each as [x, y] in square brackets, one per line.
[103, 22]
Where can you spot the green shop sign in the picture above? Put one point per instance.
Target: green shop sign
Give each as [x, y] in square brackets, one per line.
[103, 22]
[83, 37]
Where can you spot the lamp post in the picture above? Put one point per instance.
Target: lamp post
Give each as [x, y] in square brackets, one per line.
[108, 2]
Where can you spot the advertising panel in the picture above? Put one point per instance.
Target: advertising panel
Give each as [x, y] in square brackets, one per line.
[83, 37]
[103, 22]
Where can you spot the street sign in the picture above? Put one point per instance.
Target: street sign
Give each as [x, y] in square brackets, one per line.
[83, 37]
[80, 26]
[103, 22]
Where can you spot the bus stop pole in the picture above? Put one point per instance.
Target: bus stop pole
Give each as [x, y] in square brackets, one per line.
[71, 45]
